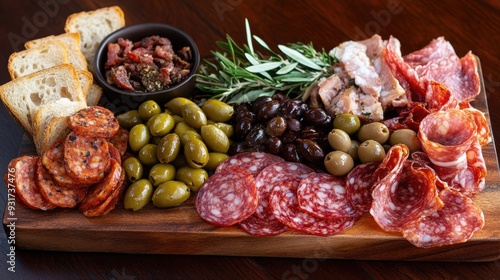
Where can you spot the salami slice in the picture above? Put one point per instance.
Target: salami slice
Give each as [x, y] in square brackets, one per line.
[359, 183]
[227, 198]
[86, 158]
[120, 140]
[254, 225]
[251, 162]
[454, 223]
[471, 181]
[53, 161]
[109, 204]
[483, 129]
[57, 195]
[114, 153]
[286, 209]
[404, 191]
[277, 174]
[324, 196]
[25, 183]
[99, 192]
[94, 121]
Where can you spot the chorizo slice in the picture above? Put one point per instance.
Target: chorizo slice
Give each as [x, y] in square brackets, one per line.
[109, 204]
[53, 161]
[94, 121]
[120, 140]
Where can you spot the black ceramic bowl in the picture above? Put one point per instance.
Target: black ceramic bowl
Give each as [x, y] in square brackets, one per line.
[122, 99]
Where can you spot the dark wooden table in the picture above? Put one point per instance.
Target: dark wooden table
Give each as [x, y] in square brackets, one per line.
[469, 25]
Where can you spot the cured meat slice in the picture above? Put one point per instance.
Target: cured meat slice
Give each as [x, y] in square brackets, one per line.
[94, 121]
[114, 153]
[471, 181]
[254, 225]
[109, 204]
[251, 162]
[359, 183]
[120, 140]
[286, 209]
[277, 174]
[483, 129]
[53, 161]
[324, 196]
[57, 195]
[99, 192]
[445, 137]
[25, 183]
[454, 223]
[404, 191]
[86, 158]
[227, 198]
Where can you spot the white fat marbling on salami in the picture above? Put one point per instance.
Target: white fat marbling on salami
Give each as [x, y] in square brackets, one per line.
[359, 183]
[251, 162]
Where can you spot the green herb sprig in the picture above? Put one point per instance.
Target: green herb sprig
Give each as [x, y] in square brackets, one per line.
[241, 74]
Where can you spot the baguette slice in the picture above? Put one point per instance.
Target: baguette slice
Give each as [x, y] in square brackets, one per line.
[72, 42]
[32, 60]
[86, 80]
[94, 95]
[63, 107]
[24, 95]
[93, 26]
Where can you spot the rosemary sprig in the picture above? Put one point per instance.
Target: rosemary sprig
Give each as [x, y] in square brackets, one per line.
[241, 74]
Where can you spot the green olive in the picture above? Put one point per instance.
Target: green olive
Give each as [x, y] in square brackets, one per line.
[175, 105]
[226, 128]
[214, 159]
[371, 151]
[170, 194]
[194, 116]
[373, 131]
[217, 111]
[168, 148]
[138, 137]
[188, 135]
[192, 177]
[155, 140]
[128, 119]
[133, 168]
[347, 122]
[339, 140]
[147, 154]
[338, 163]
[215, 139]
[407, 137]
[179, 161]
[353, 151]
[181, 128]
[161, 172]
[196, 153]
[161, 124]
[138, 195]
[147, 109]
[177, 118]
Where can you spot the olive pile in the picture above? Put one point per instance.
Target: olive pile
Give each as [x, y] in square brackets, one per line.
[173, 149]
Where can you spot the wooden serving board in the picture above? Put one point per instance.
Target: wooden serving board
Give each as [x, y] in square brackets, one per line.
[181, 231]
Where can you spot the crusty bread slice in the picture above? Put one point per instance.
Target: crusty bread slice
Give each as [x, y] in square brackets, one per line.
[24, 95]
[43, 116]
[32, 60]
[72, 42]
[94, 95]
[57, 129]
[86, 80]
[93, 26]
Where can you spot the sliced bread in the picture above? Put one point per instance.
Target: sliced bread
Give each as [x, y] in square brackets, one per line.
[72, 42]
[24, 95]
[93, 26]
[94, 95]
[32, 60]
[86, 80]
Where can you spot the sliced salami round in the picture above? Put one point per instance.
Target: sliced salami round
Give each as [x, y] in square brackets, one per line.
[114, 153]
[277, 174]
[471, 181]
[454, 223]
[324, 196]
[27, 190]
[251, 162]
[227, 198]
[94, 121]
[86, 158]
[53, 161]
[120, 140]
[483, 128]
[59, 196]
[254, 225]
[108, 205]
[359, 183]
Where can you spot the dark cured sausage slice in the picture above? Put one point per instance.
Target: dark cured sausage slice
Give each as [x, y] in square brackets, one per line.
[227, 198]
[324, 196]
[109, 204]
[359, 183]
[120, 140]
[455, 223]
[114, 153]
[86, 158]
[94, 121]
[25, 183]
[251, 162]
[53, 161]
[60, 196]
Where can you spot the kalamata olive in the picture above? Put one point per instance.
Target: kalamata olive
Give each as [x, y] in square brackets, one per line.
[269, 110]
[338, 163]
[242, 128]
[259, 102]
[407, 137]
[274, 145]
[288, 137]
[291, 153]
[293, 125]
[217, 111]
[276, 126]
[168, 148]
[256, 136]
[128, 119]
[214, 159]
[175, 105]
[244, 113]
[147, 109]
[309, 132]
[138, 195]
[310, 150]
[293, 108]
[237, 148]
[133, 169]
[170, 194]
[215, 139]
[339, 140]
[138, 137]
[161, 173]
[192, 177]
[373, 131]
[353, 151]
[347, 122]
[161, 124]
[147, 154]
[371, 151]
[194, 116]
[317, 116]
[196, 153]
